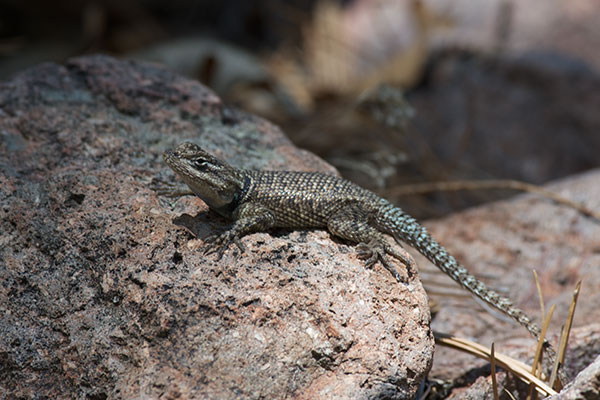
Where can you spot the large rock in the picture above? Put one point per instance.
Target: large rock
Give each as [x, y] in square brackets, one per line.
[586, 386]
[105, 293]
[584, 344]
[502, 243]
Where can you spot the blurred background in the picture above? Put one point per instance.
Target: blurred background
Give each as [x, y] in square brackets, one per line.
[391, 92]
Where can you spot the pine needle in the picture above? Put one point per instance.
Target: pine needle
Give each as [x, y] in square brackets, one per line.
[517, 368]
[509, 394]
[537, 359]
[539, 290]
[564, 336]
[493, 365]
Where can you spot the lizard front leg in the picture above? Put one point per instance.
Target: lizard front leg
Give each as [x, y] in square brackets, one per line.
[168, 189]
[351, 222]
[249, 217]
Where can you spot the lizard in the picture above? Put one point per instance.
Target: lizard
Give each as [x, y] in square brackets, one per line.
[257, 201]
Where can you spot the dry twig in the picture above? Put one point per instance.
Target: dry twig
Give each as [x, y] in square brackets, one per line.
[517, 368]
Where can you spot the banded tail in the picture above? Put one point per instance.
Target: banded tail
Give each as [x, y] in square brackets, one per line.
[405, 228]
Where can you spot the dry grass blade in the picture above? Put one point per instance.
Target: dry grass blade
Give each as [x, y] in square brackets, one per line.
[564, 337]
[539, 290]
[421, 188]
[537, 359]
[493, 365]
[516, 367]
[509, 394]
[553, 380]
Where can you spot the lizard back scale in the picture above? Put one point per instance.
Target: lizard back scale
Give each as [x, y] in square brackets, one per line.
[259, 200]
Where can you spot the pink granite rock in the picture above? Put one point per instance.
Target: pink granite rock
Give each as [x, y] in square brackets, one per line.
[502, 243]
[104, 292]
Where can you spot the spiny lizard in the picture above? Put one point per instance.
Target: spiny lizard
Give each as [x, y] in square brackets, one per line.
[259, 200]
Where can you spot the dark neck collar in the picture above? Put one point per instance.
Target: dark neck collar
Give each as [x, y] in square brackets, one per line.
[238, 197]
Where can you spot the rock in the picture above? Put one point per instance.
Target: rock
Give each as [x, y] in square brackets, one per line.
[502, 243]
[501, 26]
[492, 109]
[586, 385]
[106, 294]
[584, 343]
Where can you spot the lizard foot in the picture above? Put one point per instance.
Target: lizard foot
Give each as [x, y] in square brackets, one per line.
[375, 250]
[219, 243]
[167, 189]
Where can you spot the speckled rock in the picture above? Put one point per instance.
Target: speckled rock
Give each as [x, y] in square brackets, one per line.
[586, 385]
[105, 292]
[584, 345]
[502, 243]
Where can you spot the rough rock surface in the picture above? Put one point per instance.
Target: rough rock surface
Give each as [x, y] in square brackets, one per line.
[584, 344]
[513, 103]
[586, 385]
[551, 26]
[105, 293]
[502, 243]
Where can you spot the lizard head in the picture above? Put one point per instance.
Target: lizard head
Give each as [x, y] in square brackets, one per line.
[211, 179]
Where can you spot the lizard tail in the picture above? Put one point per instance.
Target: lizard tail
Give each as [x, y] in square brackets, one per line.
[405, 228]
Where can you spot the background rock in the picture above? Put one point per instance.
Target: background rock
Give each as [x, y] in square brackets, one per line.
[502, 243]
[491, 115]
[104, 294]
[586, 385]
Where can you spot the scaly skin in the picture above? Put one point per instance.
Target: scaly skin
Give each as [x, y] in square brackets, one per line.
[260, 200]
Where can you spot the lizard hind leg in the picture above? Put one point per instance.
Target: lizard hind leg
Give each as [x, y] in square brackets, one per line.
[378, 250]
[352, 223]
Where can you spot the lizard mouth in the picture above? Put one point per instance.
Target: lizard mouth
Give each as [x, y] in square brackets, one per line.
[178, 164]
[171, 160]
[168, 156]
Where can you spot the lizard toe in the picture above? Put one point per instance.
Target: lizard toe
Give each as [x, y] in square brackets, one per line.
[375, 251]
[397, 255]
[217, 244]
[386, 263]
[210, 250]
[239, 244]
[366, 253]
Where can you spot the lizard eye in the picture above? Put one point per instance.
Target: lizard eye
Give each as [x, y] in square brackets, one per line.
[201, 164]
